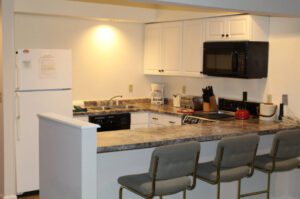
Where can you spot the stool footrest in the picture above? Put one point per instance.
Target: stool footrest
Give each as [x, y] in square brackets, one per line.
[253, 193]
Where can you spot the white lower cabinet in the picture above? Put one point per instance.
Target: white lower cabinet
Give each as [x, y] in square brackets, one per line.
[139, 120]
[159, 120]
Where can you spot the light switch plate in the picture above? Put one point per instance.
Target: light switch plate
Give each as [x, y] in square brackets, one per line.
[285, 99]
[130, 88]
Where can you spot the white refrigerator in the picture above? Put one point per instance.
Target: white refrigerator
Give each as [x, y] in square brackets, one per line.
[43, 84]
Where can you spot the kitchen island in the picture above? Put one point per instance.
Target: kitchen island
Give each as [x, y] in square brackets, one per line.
[128, 152]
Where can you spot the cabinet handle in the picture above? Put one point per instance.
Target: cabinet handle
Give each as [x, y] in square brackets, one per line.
[171, 122]
[227, 35]
[223, 35]
[201, 72]
[154, 118]
[162, 70]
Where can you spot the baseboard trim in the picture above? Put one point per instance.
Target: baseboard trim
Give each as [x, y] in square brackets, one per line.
[9, 197]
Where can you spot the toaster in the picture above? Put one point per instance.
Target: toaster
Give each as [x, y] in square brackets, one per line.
[191, 102]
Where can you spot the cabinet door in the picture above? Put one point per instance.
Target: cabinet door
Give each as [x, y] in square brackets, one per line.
[172, 48]
[152, 51]
[238, 28]
[192, 50]
[215, 29]
[139, 120]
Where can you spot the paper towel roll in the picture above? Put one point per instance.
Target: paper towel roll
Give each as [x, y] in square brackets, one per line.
[267, 112]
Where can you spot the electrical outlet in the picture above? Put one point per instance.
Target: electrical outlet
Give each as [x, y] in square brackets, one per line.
[130, 88]
[183, 89]
[285, 99]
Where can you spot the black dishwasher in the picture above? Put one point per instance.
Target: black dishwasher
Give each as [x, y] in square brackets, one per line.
[111, 122]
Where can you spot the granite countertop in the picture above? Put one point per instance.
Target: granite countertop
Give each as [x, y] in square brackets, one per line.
[136, 107]
[152, 137]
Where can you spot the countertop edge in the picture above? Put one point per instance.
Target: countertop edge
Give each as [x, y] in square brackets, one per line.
[128, 147]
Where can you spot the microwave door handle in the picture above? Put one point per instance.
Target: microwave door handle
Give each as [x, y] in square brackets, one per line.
[235, 59]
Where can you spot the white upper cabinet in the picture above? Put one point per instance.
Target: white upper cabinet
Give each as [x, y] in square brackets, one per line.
[152, 53]
[172, 48]
[215, 28]
[192, 49]
[163, 48]
[242, 27]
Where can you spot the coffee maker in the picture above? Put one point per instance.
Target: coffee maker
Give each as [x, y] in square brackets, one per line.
[157, 94]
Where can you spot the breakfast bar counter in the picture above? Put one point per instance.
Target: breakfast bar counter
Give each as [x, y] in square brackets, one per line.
[152, 137]
[88, 164]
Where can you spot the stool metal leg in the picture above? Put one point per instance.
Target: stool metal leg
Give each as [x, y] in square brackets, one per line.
[184, 194]
[219, 190]
[239, 189]
[269, 186]
[121, 192]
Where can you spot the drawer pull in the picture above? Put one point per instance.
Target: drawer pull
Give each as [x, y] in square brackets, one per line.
[154, 118]
[171, 122]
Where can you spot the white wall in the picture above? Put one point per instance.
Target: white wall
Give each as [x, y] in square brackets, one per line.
[284, 70]
[107, 56]
[223, 87]
[7, 63]
[1, 108]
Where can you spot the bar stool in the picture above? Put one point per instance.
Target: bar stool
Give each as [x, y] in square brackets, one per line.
[234, 160]
[168, 174]
[283, 157]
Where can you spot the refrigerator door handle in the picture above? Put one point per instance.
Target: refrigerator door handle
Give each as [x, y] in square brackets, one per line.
[18, 116]
[17, 74]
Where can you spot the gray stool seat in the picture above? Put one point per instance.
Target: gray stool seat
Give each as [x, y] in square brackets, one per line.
[265, 162]
[283, 157]
[234, 160]
[209, 171]
[142, 183]
[172, 170]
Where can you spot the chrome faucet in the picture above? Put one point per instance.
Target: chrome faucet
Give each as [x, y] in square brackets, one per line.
[110, 101]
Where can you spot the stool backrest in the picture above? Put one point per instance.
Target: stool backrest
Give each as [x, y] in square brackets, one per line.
[175, 160]
[288, 144]
[237, 151]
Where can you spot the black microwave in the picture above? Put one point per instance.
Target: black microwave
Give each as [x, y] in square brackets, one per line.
[240, 59]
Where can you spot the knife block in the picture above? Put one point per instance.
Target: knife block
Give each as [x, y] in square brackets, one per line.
[213, 104]
[206, 106]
